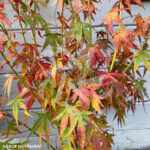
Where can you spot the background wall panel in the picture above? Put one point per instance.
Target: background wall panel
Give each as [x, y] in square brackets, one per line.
[136, 132]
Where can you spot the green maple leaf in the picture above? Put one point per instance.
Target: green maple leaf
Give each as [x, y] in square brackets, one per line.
[143, 57]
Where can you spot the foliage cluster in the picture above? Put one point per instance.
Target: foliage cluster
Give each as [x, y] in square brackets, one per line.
[82, 79]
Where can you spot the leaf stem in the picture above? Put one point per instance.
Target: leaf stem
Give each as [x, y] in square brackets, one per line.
[62, 30]
[90, 23]
[33, 36]
[22, 31]
[115, 53]
[146, 39]
[9, 64]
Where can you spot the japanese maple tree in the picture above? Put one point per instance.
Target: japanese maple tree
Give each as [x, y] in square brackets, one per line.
[81, 79]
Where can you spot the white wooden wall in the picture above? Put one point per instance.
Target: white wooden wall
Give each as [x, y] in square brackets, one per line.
[136, 133]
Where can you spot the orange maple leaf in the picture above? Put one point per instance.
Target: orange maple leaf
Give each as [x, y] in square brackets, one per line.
[121, 35]
[4, 19]
[110, 17]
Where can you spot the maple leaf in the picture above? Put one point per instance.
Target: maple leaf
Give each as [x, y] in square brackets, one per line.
[30, 48]
[82, 8]
[79, 29]
[4, 19]
[8, 84]
[110, 17]
[46, 129]
[81, 132]
[135, 2]
[121, 35]
[142, 24]
[63, 124]
[110, 78]
[139, 90]
[53, 71]
[95, 54]
[83, 94]
[144, 57]
[127, 4]
[86, 94]
[29, 103]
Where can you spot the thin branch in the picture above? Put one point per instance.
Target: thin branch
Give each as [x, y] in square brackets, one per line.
[115, 53]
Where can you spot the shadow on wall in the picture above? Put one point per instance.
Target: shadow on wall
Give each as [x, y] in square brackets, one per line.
[144, 148]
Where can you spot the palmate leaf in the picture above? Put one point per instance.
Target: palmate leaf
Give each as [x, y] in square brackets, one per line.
[17, 102]
[87, 94]
[110, 17]
[46, 129]
[68, 130]
[81, 128]
[83, 94]
[40, 133]
[29, 21]
[52, 39]
[95, 104]
[59, 115]
[129, 2]
[38, 18]
[68, 118]
[74, 121]
[95, 54]
[42, 123]
[37, 124]
[142, 57]
[79, 29]
[54, 67]
[121, 35]
[53, 71]
[46, 89]
[4, 19]
[63, 124]
[111, 78]
[140, 89]
[15, 111]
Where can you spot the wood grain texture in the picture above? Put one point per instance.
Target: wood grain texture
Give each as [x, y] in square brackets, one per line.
[135, 134]
[103, 8]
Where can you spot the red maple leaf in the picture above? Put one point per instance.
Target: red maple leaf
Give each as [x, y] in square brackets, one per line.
[135, 2]
[85, 93]
[4, 19]
[95, 54]
[108, 78]
[127, 4]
